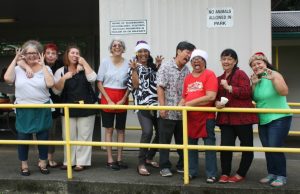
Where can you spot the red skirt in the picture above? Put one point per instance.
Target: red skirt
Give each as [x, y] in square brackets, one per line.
[115, 95]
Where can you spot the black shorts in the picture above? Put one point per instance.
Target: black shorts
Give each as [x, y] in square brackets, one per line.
[109, 119]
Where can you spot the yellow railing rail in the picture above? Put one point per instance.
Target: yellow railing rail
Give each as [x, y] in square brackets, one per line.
[185, 147]
[217, 129]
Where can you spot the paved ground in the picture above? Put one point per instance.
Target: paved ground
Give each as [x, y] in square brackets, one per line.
[99, 179]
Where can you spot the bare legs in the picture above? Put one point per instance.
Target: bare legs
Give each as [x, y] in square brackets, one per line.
[108, 138]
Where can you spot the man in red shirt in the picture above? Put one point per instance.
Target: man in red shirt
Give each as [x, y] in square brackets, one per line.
[200, 89]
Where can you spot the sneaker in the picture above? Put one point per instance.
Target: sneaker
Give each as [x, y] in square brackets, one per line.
[180, 170]
[236, 178]
[211, 179]
[166, 172]
[223, 179]
[278, 182]
[268, 179]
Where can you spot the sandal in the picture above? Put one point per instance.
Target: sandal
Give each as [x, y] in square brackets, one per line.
[44, 170]
[152, 164]
[142, 170]
[79, 168]
[113, 165]
[25, 172]
[122, 164]
[53, 164]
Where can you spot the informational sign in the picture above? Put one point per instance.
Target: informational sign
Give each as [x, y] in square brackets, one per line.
[122, 27]
[219, 17]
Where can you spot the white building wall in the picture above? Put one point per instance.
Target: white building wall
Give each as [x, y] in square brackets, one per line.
[172, 21]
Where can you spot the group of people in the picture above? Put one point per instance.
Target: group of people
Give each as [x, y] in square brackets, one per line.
[152, 83]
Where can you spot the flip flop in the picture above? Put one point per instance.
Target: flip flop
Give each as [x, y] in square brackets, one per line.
[142, 170]
[52, 164]
[152, 164]
[79, 168]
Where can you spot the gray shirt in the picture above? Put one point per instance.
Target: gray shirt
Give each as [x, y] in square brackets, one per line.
[112, 76]
[171, 79]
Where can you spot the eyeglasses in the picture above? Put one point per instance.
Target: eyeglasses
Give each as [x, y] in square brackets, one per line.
[197, 59]
[117, 45]
[32, 53]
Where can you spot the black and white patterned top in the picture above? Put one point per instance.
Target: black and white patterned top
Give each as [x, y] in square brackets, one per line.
[146, 93]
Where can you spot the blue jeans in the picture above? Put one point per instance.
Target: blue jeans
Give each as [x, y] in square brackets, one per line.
[273, 134]
[23, 149]
[210, 156]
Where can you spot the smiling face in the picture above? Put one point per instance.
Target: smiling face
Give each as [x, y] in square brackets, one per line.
[50, 56]
[73, 56]
[258, 66]
[142, 56]
[228, 63]
[117, 48]
[31, 55]
[183, 56]
[198, 64]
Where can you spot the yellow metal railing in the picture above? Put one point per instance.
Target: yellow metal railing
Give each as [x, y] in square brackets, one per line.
[185, 147]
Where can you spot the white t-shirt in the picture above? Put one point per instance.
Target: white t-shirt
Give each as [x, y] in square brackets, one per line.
[112, 76]
[31, 90]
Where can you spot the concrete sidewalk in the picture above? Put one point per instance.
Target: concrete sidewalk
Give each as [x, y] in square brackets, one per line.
[99, 179]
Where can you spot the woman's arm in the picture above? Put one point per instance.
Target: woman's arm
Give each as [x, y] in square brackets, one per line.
[59, 85]
[124, 99]
[87, 68]
[49, 79]
[278, 82]
[209, 97]
[103, 92]
[134, 73]
[10, 74]
[26, 67]
[241, 88]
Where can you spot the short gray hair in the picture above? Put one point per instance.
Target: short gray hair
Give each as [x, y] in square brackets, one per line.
[117, 40]
[34, 44]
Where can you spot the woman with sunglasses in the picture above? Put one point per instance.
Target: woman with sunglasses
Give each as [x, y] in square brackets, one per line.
[112, 78]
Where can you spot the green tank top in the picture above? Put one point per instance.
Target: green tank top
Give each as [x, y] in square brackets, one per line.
[266, 96]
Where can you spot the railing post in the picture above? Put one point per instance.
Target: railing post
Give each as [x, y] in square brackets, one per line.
[185, 148]
[68, 146]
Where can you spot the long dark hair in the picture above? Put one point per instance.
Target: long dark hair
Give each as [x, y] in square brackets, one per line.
[230, 53]
[150, 62]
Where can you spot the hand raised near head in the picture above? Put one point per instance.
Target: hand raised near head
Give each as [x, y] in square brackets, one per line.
[133, 63]
[158, 61]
